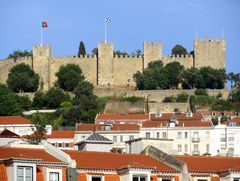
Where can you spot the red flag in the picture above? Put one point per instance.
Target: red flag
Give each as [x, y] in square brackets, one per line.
[44, 24]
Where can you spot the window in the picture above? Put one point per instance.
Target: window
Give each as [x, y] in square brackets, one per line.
[166, 179]
[232, 124]
[96, 178]
[24, 173]
[186, 135]
[139, 178]
[236, 179]
[207, 134]
[147, 135]
[201, 180]
[195, 147]
[179, 148]
[230, 138]
[164, 134]
[195, 135]
[53, 176]
[179, 135]
[121, 138]
[185, 148]
[131, 137]
[158, 135]
[67, 145]
[158, 114]
[207, 148]
[60, 145]
[114, 138]
[53, 144]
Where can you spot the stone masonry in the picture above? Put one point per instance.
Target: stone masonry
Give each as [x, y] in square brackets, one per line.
[108, 70]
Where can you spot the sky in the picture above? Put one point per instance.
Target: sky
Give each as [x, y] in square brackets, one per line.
[132, 22]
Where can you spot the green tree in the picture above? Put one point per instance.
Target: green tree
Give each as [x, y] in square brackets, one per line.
[22, 78]
[234, 79]
[174, 71]
[118, 53]
[24, 102]
[69, 76]
[38, 100]
[39, 129]
[18, 54]
[183, 97]
[190, 78]
[81, 49]
[212, 78]
[85, 105]
[9, 105]
[95, 51]
[179, 50]
[54, 97]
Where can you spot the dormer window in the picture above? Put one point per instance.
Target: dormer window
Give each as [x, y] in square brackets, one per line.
[232, 124]
[213, 114]
[189, 114]
[158, 114]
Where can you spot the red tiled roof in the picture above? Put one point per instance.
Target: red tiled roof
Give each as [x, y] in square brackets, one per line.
[61, 134]
[3, 173]
[114, 161]
[8, 134]
[210, 164]
[178, 116]
[13, 120]
[187, 123]
[27, 153]
[216, 113]
[115, 127]
[105, 117]
[235, 120]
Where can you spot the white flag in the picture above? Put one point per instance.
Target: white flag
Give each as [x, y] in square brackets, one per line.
[107, 20]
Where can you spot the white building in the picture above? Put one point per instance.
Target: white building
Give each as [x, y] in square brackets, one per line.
[17, 124]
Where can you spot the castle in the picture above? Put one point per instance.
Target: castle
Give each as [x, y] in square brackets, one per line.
[106, 69]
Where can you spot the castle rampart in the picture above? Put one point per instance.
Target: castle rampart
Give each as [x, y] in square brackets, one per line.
[111, 70]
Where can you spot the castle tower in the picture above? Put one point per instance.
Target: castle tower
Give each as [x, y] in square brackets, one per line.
[152, 52]
[105, 64]
[210, 53]
[41, 63]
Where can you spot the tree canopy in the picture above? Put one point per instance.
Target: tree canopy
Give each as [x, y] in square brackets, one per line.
[18, 54]
[69, 76]
[179, 50]
[81, 49]
[23, 78]
[9, 104]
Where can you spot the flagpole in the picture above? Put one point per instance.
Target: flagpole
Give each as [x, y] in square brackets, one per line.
[41, 34]
[105, 32]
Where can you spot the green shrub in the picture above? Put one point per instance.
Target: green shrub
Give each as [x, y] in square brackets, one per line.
[201, 92]
[183, 97]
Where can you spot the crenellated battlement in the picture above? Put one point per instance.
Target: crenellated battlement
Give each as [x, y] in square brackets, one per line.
[128, 57]
[117, 70]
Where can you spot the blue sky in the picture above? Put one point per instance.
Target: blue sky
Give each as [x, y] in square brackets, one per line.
[132, 23]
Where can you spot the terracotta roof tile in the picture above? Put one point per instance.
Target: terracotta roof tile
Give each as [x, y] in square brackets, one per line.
[235, 120]
[61, 134]
[13, 120]
[210, 164]
[114, 161]
[178, 116]
[100, 127]
[3, 173]
[106, 117]
[185, 123]
[28, 153]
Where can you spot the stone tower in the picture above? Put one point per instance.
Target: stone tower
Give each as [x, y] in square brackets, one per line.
[41, 64]
[105, 64]
[152, 52]
[210, 53]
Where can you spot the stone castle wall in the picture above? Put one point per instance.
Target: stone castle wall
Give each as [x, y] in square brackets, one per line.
[87, 64]
[124, 68]
[210, 53]
[8, 64]
[186, 60]
[113, 71]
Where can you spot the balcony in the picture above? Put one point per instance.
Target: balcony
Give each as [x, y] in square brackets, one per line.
[195, 139]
